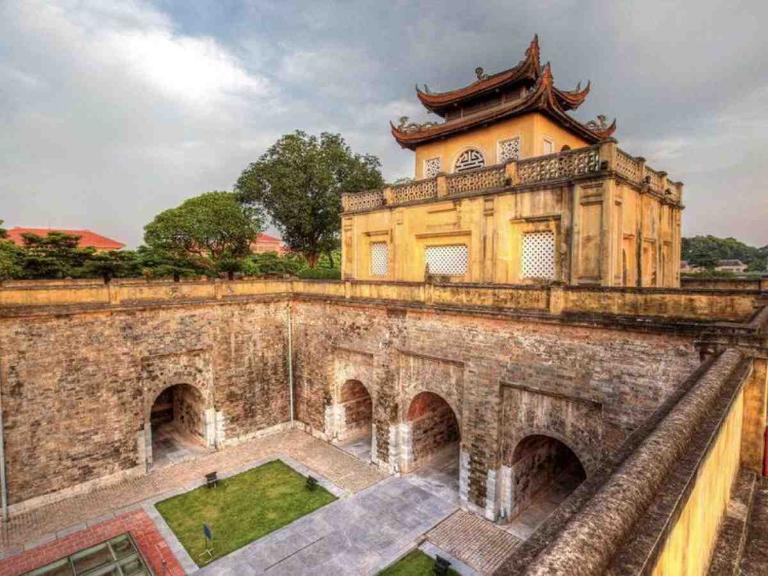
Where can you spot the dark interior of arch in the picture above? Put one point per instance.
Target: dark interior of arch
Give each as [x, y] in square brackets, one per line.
[543, 470]
[358, 409]
[434, 427]
[182, 407]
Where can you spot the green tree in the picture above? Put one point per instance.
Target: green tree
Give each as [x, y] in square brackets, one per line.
[207, 231]
[55, 255]
[154, 264]
[10, 257]
[298, 183]
[706, 251]
[108, 265]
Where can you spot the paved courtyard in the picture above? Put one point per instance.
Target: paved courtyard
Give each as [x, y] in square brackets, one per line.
[355, 536]
[376, 520]
[44, 524]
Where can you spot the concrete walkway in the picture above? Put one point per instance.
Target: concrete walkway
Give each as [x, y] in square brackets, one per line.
[354, 536]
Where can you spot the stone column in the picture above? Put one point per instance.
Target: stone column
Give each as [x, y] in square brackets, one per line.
[404, 446]
[464, 477]
[335, 421]
[506, 491]
[210, 427]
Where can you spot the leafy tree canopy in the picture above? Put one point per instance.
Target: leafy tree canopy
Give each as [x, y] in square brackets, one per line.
[298, 183]
[706, 251]
[55, 255]
[211, 231]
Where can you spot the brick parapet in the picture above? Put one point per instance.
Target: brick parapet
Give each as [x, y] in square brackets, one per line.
[588, 543]
[556, 300]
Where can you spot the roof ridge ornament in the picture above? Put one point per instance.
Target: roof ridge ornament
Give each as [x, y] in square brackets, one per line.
[601, 127]
[480, 73]
[404, 125]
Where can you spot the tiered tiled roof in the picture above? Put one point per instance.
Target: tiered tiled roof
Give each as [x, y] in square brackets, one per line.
[527, 87]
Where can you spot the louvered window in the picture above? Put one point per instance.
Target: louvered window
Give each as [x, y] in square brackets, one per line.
[379, 259]
[539, 255]
[449, 260]
[431, 167]
[469, 160]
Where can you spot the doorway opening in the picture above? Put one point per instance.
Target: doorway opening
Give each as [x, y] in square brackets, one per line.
[435, 444]
[177, 421]
[544, 473]
[356, 434]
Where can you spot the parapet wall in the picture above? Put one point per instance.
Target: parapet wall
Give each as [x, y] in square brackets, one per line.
[681, 304]
[643, 519]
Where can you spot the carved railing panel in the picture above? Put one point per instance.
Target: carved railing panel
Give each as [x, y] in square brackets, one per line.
[563, 165]
[655, 180]
[539, 169]
[417, 190]
[481, 179]
[628, 166]
[361, 201]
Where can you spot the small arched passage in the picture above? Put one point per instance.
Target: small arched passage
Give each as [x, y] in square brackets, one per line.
[544, 473]
[356, 429]
[177, 420]
[434, 431]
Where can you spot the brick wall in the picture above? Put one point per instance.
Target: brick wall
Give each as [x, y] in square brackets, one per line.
[78, 386]
[587, 386]
[77, 389]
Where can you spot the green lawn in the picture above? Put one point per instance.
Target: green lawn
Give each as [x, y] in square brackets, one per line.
[241, 508]
[414, 564]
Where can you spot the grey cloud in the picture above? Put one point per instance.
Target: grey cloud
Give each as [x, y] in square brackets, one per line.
[111, 112]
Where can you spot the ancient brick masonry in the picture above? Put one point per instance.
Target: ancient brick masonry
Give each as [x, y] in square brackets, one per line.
[78, 389]
[503, 379]
[79, 386]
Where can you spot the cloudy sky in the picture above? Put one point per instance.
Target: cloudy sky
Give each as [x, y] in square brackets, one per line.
[111, 111]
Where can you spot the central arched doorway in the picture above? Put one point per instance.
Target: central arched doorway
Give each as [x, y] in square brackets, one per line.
[434, 443]
[356, 420]
[545, 471]
[177, 421]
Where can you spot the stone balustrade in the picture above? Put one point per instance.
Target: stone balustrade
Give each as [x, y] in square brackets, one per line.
[598, 160]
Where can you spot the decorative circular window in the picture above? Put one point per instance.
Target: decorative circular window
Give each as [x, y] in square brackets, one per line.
[469, 160]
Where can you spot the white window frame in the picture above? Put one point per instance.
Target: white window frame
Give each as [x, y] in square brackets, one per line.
[372, 270]
[551, 143]
[442, 271]
[524, 258]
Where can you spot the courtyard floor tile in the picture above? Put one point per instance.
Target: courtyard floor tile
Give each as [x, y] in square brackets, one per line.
[35, 527]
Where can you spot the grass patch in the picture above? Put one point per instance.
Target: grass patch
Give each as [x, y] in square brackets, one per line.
[241, 509]
[414, 564]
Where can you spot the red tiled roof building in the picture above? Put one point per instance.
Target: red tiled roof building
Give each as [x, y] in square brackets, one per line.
[267, 243]
[88, 239]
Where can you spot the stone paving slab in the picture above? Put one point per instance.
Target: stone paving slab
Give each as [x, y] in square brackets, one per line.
[42, 524]
[474, 540]
[354, 536]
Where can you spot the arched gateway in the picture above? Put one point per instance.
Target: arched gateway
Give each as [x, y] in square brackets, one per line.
[544, 473]
[177, 425]
[431, 443]
[355, 420]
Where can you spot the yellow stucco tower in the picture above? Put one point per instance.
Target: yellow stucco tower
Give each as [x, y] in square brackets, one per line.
[509, 188]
